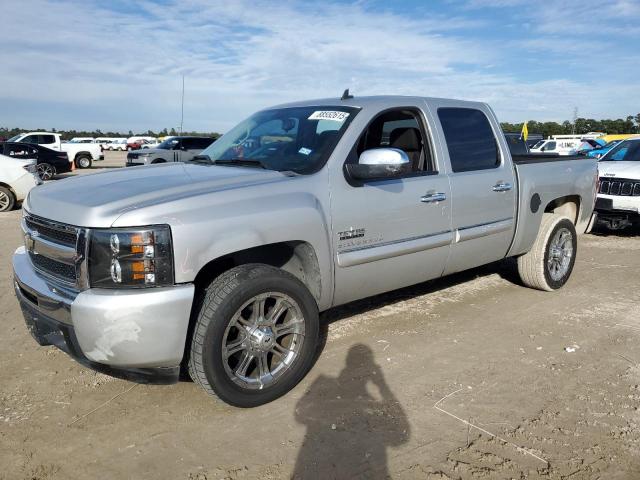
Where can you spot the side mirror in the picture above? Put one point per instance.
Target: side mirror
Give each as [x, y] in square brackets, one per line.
[379, 164]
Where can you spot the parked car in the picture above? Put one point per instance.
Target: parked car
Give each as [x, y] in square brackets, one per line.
[82, 140]
[17, 178]
[173, 149]
[561, 147]
[223, 263]
[602, 150]
[118, 144]
[83, 154]
[149, 144]
[48, 162]
[135, 143]
[618, 203]
[105, 142]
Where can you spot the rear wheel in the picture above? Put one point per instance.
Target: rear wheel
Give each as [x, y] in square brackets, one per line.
[83, 161]
[549, 263]
[7, 199]
[255, 335]
[46, 171]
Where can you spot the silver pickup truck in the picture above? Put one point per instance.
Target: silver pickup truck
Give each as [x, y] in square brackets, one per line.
[221, 265]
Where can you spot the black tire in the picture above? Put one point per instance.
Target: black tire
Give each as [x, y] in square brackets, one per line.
[225, 296]
[46, 171]
[83, 161]
[158, 160]
[7, 199]
[534, 267]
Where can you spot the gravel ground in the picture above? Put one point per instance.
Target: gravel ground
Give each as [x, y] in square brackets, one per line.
[472, 376]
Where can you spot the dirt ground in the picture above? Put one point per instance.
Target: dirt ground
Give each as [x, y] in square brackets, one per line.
[472, 376]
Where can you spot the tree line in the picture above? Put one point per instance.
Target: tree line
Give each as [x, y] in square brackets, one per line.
[69, 134]
[630, 124]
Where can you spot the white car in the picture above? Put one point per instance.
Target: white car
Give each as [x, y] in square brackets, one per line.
[561, 147]
[618, 202]
[117, 144]
[111, 144]
[82, 154]
[150, 144]
[17, 178]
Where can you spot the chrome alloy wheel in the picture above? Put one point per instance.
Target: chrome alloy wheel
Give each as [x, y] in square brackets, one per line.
[263, 339]
[45, 171]
[560, 253]
[5, 201]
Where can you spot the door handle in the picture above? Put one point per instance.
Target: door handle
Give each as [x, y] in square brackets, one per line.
[433, 198]
[502, 187]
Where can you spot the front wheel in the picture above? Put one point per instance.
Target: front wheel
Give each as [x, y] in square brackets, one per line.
[7, 199]
[549, 263]
[83, 161]
[255, 335]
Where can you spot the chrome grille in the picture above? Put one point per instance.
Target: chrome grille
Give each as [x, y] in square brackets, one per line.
[619, 186]
[56, 232]
[60, 270]
[56, 249]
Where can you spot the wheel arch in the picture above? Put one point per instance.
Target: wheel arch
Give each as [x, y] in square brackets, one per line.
[567, 206]
[297, 257]
[83, 153]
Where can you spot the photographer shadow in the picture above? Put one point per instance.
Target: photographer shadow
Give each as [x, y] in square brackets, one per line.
[351, 420]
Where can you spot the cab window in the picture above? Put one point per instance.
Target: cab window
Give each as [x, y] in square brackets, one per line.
[402, 129]
[470, 139]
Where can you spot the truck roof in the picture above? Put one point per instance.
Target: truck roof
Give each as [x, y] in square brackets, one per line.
[377, 102]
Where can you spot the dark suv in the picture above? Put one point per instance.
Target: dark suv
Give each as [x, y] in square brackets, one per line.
[173, 149]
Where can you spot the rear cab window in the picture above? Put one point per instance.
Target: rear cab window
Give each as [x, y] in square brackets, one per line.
[470, 139]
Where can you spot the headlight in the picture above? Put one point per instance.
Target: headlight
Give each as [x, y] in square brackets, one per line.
[127, 257]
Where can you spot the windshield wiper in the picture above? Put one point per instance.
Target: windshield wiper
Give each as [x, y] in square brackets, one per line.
[202, 160]
[243, 162]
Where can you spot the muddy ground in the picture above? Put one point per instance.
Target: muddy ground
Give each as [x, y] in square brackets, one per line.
[467, 377]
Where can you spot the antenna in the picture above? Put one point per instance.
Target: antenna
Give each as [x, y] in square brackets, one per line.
[182, 107]
[346, 95]
[575, 117]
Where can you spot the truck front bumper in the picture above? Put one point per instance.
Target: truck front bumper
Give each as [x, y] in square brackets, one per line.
[137, 335]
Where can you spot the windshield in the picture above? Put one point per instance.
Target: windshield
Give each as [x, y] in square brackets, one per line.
[168, 144]
[628, 151]
[539, 144]
[298, 139]
[14, 139]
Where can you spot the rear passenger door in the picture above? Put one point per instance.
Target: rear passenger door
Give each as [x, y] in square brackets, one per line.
[483, 187]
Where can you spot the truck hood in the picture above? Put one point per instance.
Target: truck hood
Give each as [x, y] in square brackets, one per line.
[619, 169]
[97, 200]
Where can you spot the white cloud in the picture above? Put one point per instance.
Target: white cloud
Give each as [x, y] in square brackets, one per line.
[74, 64]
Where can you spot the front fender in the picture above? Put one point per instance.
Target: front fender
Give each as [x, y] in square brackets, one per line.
[248, 224]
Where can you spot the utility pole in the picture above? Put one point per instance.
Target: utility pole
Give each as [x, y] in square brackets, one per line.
[182, 107]
[575, 118]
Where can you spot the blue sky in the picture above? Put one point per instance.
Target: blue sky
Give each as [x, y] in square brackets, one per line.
[118, 64]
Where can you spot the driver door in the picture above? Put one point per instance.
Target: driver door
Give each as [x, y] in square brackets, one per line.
[392, 233]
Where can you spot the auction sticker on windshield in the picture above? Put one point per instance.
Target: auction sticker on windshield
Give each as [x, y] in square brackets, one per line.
[329, 115]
